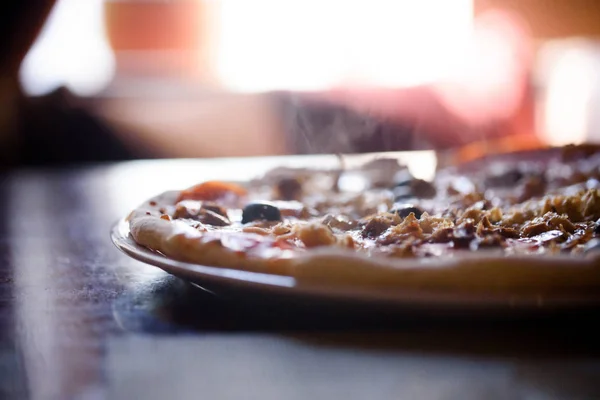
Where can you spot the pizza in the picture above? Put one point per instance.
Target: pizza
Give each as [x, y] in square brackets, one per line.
[525, 222]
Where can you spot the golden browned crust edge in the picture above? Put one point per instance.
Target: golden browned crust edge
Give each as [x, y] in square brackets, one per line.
[469, 272]
[181, 242]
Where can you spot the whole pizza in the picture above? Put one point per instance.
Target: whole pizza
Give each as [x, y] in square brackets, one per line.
[525, 222]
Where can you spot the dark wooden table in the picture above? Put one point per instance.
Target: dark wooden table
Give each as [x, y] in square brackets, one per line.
[79, 320]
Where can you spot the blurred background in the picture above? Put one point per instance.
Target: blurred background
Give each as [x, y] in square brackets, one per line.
[123, 79]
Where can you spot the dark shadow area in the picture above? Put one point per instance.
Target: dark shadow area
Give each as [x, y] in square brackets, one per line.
[13, 377]
[170, 305]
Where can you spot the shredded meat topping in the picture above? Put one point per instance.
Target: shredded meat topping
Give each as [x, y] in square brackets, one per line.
[526, 204]
[376, 226]
[313, 235]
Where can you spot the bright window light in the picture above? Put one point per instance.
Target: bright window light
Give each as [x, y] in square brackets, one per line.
[314, 44]
[572, 77]
[71, 51]
[274, 44]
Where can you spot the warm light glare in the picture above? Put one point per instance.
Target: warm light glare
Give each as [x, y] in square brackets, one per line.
[71, 51]
[488, 83]
[316, 44]
[567, 110]
[274, 44]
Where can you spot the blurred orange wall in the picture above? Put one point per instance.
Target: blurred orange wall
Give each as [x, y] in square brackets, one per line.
[551, 19]
[170, 38]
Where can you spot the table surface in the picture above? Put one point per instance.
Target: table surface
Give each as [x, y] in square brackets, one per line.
[80, 320]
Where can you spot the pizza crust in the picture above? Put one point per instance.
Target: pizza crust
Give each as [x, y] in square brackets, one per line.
[182, 242]
[475, 272]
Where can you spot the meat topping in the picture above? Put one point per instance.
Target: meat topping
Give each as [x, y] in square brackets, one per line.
[422, 189]
[376, 226]
[288, 189]
[532, 205]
